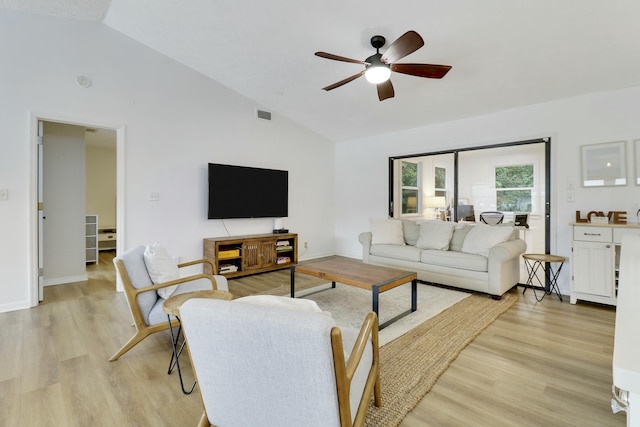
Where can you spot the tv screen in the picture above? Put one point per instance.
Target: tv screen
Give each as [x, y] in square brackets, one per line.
[247, 192]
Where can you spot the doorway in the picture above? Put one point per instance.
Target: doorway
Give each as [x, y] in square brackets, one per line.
[48, 240]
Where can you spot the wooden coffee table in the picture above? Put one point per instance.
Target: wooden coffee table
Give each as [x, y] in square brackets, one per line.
[356, 273]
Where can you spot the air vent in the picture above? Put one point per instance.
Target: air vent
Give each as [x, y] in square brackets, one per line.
[264, 115]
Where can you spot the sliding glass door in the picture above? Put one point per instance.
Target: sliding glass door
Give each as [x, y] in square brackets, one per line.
[510, 179]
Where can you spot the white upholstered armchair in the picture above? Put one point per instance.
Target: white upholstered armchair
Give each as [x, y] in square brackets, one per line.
[260, 365]
[145, 301]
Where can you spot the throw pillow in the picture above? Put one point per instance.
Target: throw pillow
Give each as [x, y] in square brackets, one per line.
[459, 234]
[161, 267]
[481, 238]
[386, 232]
[410, 229]
[435, 235]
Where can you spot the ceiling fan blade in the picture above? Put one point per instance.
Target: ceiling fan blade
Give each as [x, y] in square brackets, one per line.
[407, 43]
[422, 70]
[343, 82]
[339, 58]
[385, 90]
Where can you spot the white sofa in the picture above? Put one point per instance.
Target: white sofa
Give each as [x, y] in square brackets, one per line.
[476, 257]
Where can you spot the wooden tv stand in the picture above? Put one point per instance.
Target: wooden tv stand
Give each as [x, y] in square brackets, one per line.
[236, 256]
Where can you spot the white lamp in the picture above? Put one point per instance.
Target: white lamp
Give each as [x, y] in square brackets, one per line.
[436, 202]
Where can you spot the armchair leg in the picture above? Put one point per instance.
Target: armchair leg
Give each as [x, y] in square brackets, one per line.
[377, 395]
[204, 420]
[139, 336]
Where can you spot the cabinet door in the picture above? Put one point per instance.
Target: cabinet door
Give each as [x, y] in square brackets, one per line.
[593, 271]
[258, 254]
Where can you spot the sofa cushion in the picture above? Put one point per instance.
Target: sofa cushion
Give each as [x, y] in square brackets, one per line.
[407, 253]
[459, 234]
[458, 260]
[435, 235]
[481, 238]
[386, 232]
[410, 230]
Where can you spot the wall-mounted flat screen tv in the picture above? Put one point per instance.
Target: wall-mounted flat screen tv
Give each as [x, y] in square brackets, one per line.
[247, 192]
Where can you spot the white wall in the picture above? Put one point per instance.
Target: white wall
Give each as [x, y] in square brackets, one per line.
[175, 121]
[361, 166]
[101, 184]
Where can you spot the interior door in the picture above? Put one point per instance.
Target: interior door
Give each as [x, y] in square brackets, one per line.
[41, 216]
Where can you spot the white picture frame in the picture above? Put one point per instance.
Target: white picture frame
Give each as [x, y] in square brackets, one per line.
[636, 146]
[604, 165]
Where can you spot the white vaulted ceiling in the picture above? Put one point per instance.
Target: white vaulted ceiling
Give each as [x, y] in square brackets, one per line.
[505, 53]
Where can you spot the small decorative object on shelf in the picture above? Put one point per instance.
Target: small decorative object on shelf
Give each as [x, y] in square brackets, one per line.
[615, 217]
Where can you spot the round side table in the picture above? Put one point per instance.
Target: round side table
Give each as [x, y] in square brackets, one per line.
[172, 307]
[535, 262]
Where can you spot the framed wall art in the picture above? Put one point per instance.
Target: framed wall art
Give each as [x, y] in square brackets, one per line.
[604, 165]
[636, 152]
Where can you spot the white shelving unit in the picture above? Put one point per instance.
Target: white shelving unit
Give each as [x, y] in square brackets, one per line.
[91, 239]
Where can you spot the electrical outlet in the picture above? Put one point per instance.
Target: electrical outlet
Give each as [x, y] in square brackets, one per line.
[154, 196]
[4, 194]
[306, 245]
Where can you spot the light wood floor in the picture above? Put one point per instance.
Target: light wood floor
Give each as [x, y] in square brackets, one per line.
[539, 364]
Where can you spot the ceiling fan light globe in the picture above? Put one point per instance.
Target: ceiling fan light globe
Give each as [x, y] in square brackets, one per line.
[377, 74]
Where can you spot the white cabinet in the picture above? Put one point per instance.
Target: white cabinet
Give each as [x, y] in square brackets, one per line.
[91, 238]
[106, 239]
[595, 254]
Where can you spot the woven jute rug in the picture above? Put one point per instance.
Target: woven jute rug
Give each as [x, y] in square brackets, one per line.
[411, 364]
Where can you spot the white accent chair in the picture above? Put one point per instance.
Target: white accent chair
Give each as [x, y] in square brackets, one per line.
[145, 303]
[266, 365]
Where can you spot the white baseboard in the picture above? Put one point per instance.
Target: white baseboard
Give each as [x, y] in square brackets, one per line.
[67, 279]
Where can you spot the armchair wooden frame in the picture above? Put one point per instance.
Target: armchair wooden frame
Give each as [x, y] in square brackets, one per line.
[142, 329]
[345, 371]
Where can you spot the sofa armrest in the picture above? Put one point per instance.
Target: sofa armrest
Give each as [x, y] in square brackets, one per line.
[504, 265]
[507, 250]
[365, 239]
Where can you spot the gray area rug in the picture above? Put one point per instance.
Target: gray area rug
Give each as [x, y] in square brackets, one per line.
[349, 305]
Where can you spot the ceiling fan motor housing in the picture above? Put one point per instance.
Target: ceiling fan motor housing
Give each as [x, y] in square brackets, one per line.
[378, 41]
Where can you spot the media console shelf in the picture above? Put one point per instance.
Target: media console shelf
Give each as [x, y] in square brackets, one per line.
[236, 256]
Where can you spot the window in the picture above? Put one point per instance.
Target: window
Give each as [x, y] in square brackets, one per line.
[440, 183]
[514, 185]
[410, 188]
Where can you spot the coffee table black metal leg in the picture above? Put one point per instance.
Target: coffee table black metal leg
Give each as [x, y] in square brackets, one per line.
[293, 281]
[414, 295]
[375, 300]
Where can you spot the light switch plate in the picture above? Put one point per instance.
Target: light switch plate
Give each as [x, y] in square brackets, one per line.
[4, 194]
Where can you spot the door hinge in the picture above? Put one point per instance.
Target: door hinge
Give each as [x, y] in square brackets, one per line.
[40, 272]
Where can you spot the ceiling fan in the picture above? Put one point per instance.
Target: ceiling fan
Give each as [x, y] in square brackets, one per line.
[378, 67]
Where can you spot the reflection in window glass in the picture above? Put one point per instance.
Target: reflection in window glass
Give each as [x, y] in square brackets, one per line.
[514, 185]
[440, 182]
[410, 188]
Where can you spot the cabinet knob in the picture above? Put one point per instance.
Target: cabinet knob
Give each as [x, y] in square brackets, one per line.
[608, 246]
